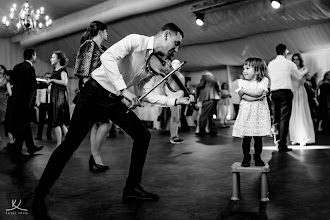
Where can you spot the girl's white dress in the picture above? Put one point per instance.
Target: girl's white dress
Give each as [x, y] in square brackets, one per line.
[301, 128]
[253, 118]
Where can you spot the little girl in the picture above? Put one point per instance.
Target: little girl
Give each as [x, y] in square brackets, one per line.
[253, 119]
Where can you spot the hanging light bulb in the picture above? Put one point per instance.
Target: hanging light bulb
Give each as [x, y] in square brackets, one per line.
[276, 4]
[199, 18]
[4, 19]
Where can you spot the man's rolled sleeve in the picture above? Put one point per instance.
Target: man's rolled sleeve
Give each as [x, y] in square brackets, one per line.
[119, 85]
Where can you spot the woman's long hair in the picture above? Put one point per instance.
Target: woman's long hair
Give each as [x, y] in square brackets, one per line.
[93, 30]
[301, 61]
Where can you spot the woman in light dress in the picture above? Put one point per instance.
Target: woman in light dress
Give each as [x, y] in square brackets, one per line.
[301, 129]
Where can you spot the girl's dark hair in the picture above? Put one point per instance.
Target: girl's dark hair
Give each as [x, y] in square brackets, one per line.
[259, 66]
[301, 62]
[93, 30]
[4, 69]
[62, 57]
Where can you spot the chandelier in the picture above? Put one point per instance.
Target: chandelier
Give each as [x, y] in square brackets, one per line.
[27, 18]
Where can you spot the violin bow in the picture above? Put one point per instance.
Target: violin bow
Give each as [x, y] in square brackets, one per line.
[155, 86]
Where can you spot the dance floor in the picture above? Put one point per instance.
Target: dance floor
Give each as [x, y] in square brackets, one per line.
[193, 180]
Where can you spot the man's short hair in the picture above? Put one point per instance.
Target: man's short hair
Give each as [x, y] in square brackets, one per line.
[172, 27]
[280, 49]
[28, 53]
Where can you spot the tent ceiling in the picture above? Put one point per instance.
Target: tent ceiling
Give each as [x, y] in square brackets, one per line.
[231, 34]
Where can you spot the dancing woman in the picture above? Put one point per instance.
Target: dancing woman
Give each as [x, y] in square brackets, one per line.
[88, 59]
[301, 128]
[59, 99]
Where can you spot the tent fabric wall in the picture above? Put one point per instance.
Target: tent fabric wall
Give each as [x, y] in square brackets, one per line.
[233, 33]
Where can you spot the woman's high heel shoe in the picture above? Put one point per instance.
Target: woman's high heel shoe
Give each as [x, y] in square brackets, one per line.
[96, 167]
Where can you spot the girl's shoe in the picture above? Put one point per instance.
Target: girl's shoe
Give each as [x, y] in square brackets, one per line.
[257, 160]
[246, 160]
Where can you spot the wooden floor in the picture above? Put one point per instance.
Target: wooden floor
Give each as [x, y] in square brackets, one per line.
[193, 181]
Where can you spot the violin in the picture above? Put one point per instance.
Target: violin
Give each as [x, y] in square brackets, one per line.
[159, 66]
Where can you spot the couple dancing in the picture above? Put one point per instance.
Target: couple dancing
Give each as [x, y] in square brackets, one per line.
[289, 100]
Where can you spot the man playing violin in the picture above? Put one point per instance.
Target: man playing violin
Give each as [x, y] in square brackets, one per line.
[122, 74]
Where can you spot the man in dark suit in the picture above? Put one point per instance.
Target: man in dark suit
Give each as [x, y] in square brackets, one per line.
[208, 92]
[24, 87]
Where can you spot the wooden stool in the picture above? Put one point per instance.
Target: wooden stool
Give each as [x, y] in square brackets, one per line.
[236, 168]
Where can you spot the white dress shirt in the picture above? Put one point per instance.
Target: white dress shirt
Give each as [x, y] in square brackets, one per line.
[123, 66]
[29, 62]
[280, 72]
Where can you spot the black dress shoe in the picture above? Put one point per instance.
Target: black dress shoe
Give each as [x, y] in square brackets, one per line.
[34, 149]
[38, 207]
[38, 138]
[284, 150]
[138, 193]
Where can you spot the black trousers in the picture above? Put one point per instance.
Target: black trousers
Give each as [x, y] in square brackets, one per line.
[93, 105]
[21, 128]
[27, 138]
[43, 109]
[282, 106]
[209, 108]
[247, 143]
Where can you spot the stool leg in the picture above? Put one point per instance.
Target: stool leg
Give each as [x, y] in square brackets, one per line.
[235, 186]
[239, 184]
[264, 188]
